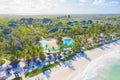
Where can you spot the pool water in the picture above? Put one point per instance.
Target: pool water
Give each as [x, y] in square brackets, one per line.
[45, 42]
[68, 41]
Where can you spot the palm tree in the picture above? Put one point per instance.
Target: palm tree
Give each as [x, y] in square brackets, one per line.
[46, 46]
[53, 48]
[18, 54]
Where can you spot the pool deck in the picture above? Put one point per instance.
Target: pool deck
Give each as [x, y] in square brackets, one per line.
[66, 37]
[53, 43]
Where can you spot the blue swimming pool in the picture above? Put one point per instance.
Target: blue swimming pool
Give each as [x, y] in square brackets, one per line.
[67, 41]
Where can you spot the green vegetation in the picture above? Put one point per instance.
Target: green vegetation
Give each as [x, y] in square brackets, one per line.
[29, 36]
[22, 41]
[2, 62]
[19, 78]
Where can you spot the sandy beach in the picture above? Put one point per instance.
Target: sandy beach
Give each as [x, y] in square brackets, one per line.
[78, 68]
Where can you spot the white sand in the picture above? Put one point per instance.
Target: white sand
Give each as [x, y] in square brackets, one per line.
[83, 67]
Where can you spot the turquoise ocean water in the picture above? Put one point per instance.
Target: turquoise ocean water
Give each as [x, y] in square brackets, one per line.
[111, 72]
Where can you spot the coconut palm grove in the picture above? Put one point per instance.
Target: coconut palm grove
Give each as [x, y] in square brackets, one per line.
[31, 45]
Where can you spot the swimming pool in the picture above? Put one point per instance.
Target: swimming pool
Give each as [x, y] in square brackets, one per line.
[50, 44]
[68, 41]
[45, 42]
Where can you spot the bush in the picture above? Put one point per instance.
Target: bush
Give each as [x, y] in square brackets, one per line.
[34, 72]
[48, 67]
[19, 78]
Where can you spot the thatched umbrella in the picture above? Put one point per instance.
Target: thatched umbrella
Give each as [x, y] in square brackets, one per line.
[59, 56]
[16, 72]
[38, 62]
[47, 61]
[50, 57]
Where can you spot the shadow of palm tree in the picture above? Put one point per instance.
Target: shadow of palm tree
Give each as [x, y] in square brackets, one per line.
[116, 43]
[69, 64]
[47, 73]
[106, 47]
[83, 54]
[101, 47]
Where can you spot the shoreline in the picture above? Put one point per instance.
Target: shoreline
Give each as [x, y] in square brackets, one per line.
[101, 62]
[79, 65]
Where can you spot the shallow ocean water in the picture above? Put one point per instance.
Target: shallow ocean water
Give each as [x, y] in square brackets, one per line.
[111, 72]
